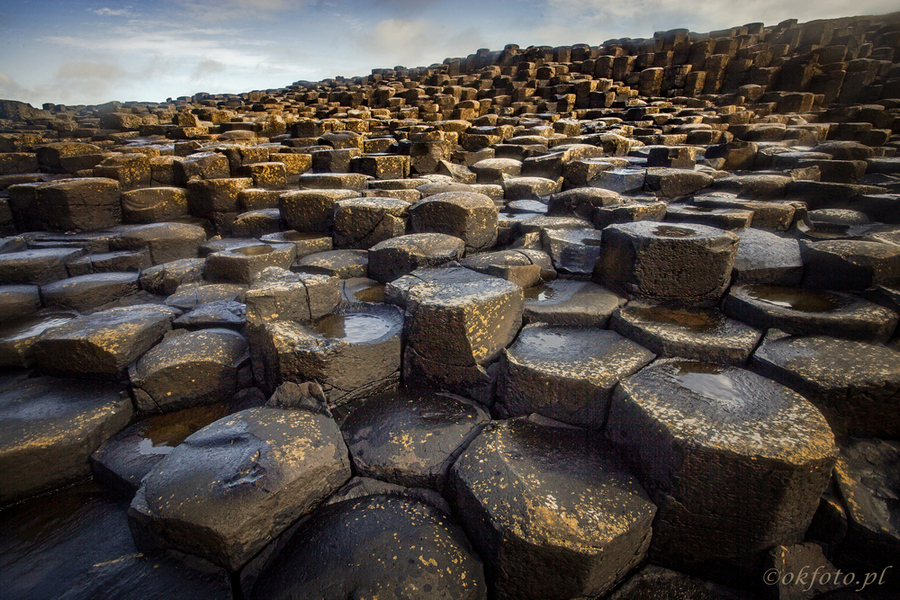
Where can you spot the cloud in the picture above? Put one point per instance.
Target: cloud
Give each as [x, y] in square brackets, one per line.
[112, 12]
[11, 90]
[414, 43]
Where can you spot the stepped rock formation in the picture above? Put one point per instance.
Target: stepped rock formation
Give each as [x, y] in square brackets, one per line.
[584, 321]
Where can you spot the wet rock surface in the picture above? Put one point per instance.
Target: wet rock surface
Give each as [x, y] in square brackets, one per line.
[721, 198]
[228, 489]
[553, 515]
[49, 427]
[411, 440]
[772, 449]
[372, 546]
[565, 373]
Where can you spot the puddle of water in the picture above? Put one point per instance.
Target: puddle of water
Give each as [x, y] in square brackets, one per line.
[547, 341]
[253, 250]
[162, 433]
[352, 327]
[694, 321]
[797, 299]
[708, 381]
[539, 293]
[370, 294]
[673, 232]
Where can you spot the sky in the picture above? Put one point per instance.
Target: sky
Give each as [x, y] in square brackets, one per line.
[92, 51]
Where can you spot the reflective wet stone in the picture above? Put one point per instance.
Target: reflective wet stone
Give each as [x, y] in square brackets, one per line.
[188, 296]
[676, 418]
[199, 367]
[229, 488]
[553, 513]
[411, 439]
[850, 264]
[574, 251]
[866, 478]
[17, 336]
[763, 257]
[37, 266]
[376, 546]
[354, 353]
[102, 344]
[19, 301]
[698, 333]
[49, 427]
[570, 303]
[339, 263]
[362, 289]
[122, 461]
[87, 292]
[565, 373]
[855, 384]
[807, 312]
[76, 544]
[220, 313]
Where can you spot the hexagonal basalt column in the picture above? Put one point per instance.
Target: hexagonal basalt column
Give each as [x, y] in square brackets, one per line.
[312, 210]
[363, 222]
[735, 462]
[242, 264]
[697, 333]
[353, 353]
[453, 331]
[470, 216]
[855, 384]
[565, 373]
[657, 261]
[411, 439]
[553, 514]
[228, 489]
[398, 256]
[377, 546]
[806, 312]
[190, 369]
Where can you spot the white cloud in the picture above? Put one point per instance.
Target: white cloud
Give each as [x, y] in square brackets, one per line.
[414, 43]
[112, 12]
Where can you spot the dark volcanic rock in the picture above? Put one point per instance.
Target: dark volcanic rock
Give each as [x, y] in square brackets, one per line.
[353, 353]
[230, 488]
[75, 544]
[854, 384]
[411, 439]
[376, 546]
[553, 513]
[102, 344]
[187, 370]
[565, 373]
[48, 429]
[122, 461]
[736, 463]
[647, 259]
[699, 333]
[807, 312]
